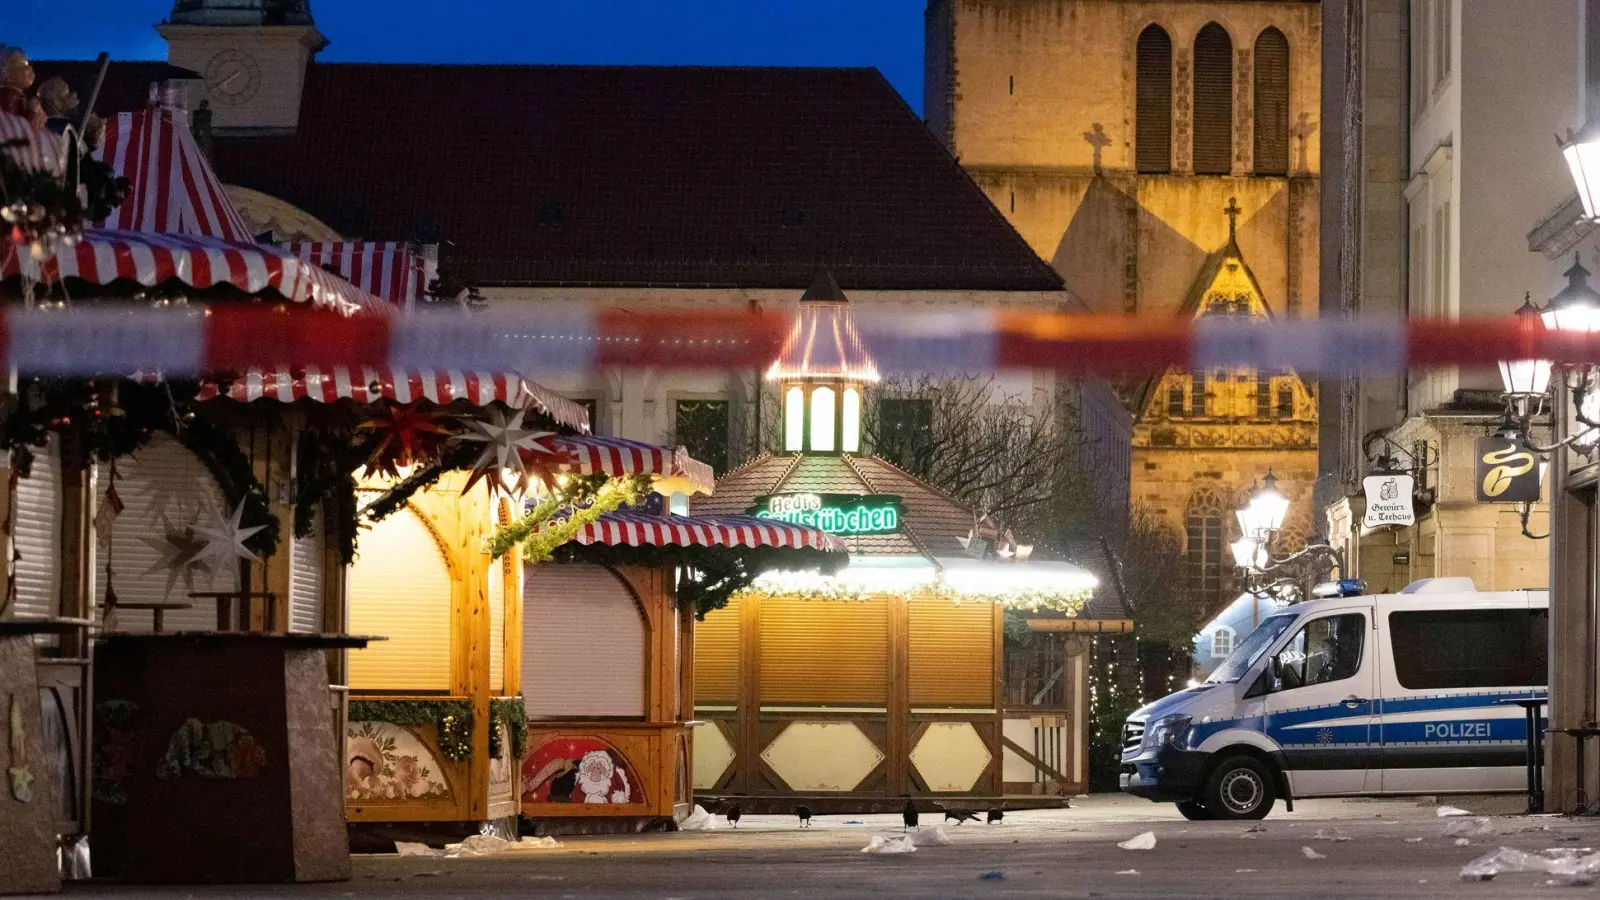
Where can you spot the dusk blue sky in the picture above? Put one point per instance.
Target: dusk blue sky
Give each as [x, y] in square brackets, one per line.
[886, 34]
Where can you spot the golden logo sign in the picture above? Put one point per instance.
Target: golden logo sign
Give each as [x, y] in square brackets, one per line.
[1505, 463]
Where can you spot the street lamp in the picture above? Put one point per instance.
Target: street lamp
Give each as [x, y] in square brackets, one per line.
[1582, 151]
[1260, 520]
[1577, 306]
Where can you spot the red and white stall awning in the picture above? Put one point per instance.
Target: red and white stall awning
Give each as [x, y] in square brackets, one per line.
[392, 270]
[175, 190]
[105, 257]
[594, 455]
[30, 147]
[366, 385]
[635, 529]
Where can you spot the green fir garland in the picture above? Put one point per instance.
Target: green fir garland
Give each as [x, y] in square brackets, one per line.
[452, 718]
[512, 713]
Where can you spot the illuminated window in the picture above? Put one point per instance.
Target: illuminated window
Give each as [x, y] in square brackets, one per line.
[850, 412]
[794, 420]
[822, 418]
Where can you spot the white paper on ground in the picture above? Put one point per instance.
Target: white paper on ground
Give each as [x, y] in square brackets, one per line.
[1468, 827]
[698, 820]
[932, 836]
[1311, 854]
[1129, 872]
[889, 844]
[1142, 841]
[1444, 812]
[407, 848]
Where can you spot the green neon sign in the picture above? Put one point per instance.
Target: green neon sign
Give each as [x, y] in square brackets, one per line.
[843, 514]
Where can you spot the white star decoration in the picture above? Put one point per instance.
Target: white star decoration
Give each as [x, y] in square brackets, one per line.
[504, 441]
[223, 539]
[177, 550]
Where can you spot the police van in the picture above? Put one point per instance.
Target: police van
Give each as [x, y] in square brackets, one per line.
[1351, 695]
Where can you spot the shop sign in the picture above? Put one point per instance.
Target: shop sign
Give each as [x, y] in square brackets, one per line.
[845, 514]
[1508, 472]
[1389, 500]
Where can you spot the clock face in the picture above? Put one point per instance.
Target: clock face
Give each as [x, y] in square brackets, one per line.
[232, 76]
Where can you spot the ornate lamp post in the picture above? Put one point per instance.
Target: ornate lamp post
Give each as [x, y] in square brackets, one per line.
[1260, 521]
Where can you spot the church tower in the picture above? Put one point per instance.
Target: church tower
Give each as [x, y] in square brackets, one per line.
[252, 55]
[1147, 149]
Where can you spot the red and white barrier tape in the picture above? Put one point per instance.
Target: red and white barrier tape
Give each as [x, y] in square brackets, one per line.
[547, 339]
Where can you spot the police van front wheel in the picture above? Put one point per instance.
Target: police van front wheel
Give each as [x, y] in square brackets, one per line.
[1194, 811]
[1240, 787]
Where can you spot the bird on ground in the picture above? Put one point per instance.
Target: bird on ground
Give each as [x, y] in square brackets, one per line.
[959, 813]
[996, 815]
[803, 813]
[734, 814]
[908, 814]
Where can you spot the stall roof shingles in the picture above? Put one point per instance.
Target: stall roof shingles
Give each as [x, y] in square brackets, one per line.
[636, 176]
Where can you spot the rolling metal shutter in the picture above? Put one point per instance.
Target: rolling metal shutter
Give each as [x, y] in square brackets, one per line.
[306, 581]
[716, 656]
[952, 653]
[160, 485]
[1213, 101]
[583, 643]
[816, 652]
[1153, 125]
[1272, 103]
[496, 600]
[36, 537]
[400, 588]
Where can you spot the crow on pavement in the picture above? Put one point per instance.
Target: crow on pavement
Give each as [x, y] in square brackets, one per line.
[803, 813]
[734, 814]
[996, 815]
[959, 813]
[909, 814]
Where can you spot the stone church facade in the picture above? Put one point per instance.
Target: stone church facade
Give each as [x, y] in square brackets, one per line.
[1163, 155]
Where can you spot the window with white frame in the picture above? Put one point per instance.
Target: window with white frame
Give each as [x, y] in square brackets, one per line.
[1222, 641]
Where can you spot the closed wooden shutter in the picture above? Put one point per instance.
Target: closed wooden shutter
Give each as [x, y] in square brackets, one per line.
[162, 485]
[496, 599]
[583, 643]
[716, 656]
[306, 580]
[400, 588]
[952, 653]
[1153, 126]
[821, 652]
[1272, 103]
[1213, 101]
[36, 537]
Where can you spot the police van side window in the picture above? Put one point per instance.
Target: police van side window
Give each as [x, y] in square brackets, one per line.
[1469, 648]
[1326, 649]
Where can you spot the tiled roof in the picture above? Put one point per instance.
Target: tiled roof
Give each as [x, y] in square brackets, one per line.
[635, 176]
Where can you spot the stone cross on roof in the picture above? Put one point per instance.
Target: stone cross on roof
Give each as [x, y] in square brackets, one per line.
[1233, 212]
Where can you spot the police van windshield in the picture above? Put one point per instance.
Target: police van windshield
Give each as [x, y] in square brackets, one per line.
[1251, 649]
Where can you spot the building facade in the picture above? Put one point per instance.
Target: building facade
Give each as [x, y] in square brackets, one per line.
[1433, 183]
[1164, 156]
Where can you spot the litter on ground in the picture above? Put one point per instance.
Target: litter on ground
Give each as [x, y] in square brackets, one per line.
[1571, 866]
[1328, 834]
[698, 820]
[1129, 872]
[1445, 812]
[993, 876]
[1143, 841]
[932, 836]
[1309, 853]
[889, 845]
[1468, 827]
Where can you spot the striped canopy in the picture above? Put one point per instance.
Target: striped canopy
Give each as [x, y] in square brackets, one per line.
[392, 270]
[104, 257]
[591, 455]
[35, 149]
[175, 190]
[365, 385]
[635, 529]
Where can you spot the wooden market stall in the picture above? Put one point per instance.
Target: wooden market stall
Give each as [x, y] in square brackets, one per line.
[439, 713]
[893, 677]
[608, 670]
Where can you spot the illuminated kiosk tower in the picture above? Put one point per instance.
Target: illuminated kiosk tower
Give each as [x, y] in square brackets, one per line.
[892, 678]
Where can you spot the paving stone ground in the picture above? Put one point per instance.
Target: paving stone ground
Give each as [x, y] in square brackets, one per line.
[1390, 849]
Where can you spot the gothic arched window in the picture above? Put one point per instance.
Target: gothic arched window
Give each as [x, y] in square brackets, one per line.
[1205, 545]
[1213, 101]
[1153, 102]
[1272, 103]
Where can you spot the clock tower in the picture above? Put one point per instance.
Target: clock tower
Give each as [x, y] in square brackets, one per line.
[252, 55]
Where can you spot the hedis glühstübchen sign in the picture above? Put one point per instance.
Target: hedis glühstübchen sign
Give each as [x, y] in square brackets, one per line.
[1389, 500]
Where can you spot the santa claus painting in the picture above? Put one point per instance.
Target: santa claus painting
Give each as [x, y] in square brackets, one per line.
[576, 770]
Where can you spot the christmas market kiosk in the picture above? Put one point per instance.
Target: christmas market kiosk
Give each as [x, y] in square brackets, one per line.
[891, 677]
